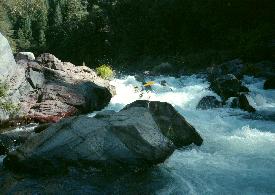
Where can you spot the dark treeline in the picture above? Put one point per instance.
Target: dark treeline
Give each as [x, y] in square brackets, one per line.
[126, 31]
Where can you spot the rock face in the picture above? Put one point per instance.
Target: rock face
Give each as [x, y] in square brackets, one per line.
[8, 70]
[270, 83]
[209, 102]
[47, 89]
[227, 86]
[7, 63]
[142, 134]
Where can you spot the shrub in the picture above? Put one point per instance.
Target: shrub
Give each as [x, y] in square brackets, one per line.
[3, 90]
[105, 71]
[9, 107]
[5, 104]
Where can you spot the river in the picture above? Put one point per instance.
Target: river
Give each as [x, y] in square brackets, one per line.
[237, 156]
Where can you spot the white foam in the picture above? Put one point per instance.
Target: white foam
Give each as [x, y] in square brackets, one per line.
[238, 154]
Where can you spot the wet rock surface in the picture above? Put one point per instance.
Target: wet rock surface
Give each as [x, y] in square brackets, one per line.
[227, 86]
[242, 102]
[142, 134]
[270, 83]
[209, 102]
[12, 138]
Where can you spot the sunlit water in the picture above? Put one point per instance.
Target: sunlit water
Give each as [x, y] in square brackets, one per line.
[237, 156]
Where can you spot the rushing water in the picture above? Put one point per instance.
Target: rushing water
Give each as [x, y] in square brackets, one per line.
[237, 156]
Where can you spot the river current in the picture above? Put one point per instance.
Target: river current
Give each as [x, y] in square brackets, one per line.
[237, 156]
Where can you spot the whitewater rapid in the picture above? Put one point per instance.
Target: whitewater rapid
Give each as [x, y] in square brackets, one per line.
[237, 156]
[238, 153]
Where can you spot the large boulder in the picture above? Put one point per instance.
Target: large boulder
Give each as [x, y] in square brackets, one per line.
[227, 86]
[48, 89]
[142, 134]
[7, 62]
[209, 102]
[234, 67]
[263, 69]
[242, 102]
[270, 83]
[8, 71]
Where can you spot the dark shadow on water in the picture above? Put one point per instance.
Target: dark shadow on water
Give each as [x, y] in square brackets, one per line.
[261, 115]
[82, 181]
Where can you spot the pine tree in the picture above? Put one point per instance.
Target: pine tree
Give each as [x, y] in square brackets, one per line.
[58, 18]
[75, 12]
[39, 26]
[5, 25]
[24, 35]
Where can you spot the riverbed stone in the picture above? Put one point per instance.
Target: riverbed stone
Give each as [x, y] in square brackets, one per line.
[242, 102]
[270, 83]
[228, 86]
[142, 134]
[209, 102]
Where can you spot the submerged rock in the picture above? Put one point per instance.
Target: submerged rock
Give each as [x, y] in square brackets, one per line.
[209, 102]
[142, 134]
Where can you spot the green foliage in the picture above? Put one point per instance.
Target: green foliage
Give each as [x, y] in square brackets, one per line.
[5, 24]
[9, 107]
[3, 90]
[124, 31]
[5, 104]
[105, 71]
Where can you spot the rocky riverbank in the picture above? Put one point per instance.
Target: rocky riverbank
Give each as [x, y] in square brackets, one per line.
[44, 89]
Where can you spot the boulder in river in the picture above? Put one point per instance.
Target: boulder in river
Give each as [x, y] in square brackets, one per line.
[227, 86]
[264, 69]
[209, 102]
[270, 83]
[142, 134]
[242, 102]
[234, 67]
